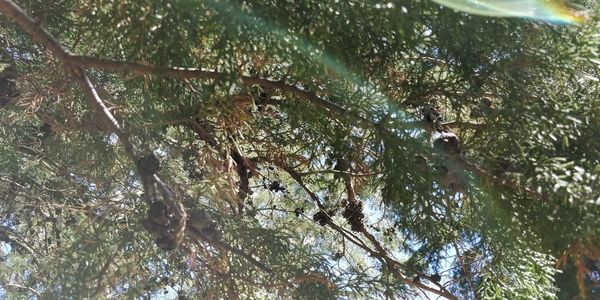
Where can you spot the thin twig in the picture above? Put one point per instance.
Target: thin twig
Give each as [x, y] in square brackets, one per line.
[221, 245]
[24, 288]
[380, 253]
[12, 236]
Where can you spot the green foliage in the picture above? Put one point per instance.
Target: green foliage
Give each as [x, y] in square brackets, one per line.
[306, 155]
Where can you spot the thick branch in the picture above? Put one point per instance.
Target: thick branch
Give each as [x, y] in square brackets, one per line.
[73, 63]
[187, 73]
[42, 36]
[33, 28]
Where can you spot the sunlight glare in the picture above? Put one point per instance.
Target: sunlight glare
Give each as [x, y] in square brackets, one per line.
[555, 11]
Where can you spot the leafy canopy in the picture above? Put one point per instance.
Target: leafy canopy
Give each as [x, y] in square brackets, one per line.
[296, 149]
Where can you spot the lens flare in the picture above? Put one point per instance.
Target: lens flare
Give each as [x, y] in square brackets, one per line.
[303, 46]
[555, 11]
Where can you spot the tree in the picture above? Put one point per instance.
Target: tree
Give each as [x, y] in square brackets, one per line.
[296, 149]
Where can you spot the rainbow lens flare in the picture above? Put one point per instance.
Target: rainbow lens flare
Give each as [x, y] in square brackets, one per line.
[555, 11]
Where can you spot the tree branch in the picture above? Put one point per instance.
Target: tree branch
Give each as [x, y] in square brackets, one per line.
[7, 234]
[380, 252]
[221, 245]
[24, 288]
[73, 63]
[490, 177]
[462, 125]
[197, 73]
[33, 28]
[42, 36]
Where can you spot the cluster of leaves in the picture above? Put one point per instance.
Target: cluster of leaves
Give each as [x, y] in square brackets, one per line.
[311, 149]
